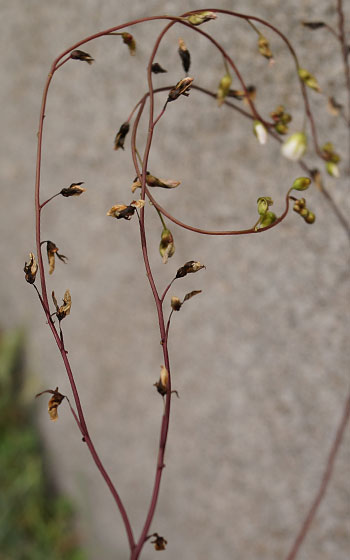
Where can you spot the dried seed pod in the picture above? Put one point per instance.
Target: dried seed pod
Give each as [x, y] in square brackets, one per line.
[184, 55]
[81, 55]
[63, 310]
[54, 402]
[188, 268]
[157, 69]
[73, 190]
[182, 88]
[120, 137]
[30, 269]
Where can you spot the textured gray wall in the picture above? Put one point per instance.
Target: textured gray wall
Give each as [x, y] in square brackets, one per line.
[260, 358]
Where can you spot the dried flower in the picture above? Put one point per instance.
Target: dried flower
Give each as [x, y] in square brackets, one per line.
[240, 94]
[30, 269]
[81, 55]
[184, 55]
[159, 542]
[120, 137]
[308, 79]
[129, 40]
[157, 69]
[260, 132]
[166, 246]
[162, 387]
[175, 303]
[295, 146]
[224, 89]
[52, 250]
[201, 17]
[189, 267]
[73, 190]
[301, 183]
[264, 48]
[64, 310]
[54, 402]
[182, 88]
[122, 211]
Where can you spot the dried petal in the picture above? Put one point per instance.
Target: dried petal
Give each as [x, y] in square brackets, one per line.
[137, 203]
[189, 267]
[30, 269]
[192, 294]
[184, 55]
[52, 250]
[157, 69]
[54, 402]
[201, 17]
[73, 190]
[182, 88]
[120, 137]
[129, 40]
[81, 55]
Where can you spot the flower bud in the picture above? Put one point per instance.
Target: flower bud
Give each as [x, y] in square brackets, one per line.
[310, 218]
[224, 88]
[295, 146]
[332, 169]
[304, 212]
[260, 132]
[308, 79]
[263, 204]
[201, 17]
[268, 219]
[301, 183]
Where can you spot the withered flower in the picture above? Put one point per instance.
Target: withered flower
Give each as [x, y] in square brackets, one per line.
[30, 269]
[175, 303]
[313, 24]
[81, 55]
[129, 40]
[54, 402]
[122, 211]
[201, 17]
[240, 94]
[264, 48]
[73, 190]
[157, 69]
[184, 55]
[152, 181]
[159, 542]
[182, 88]
[166, 246]
[162, 384]
[52, 250]
[64, 310]
[189, 267]
[120, 137]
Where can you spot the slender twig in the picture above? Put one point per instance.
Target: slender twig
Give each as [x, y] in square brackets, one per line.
[324, 483]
